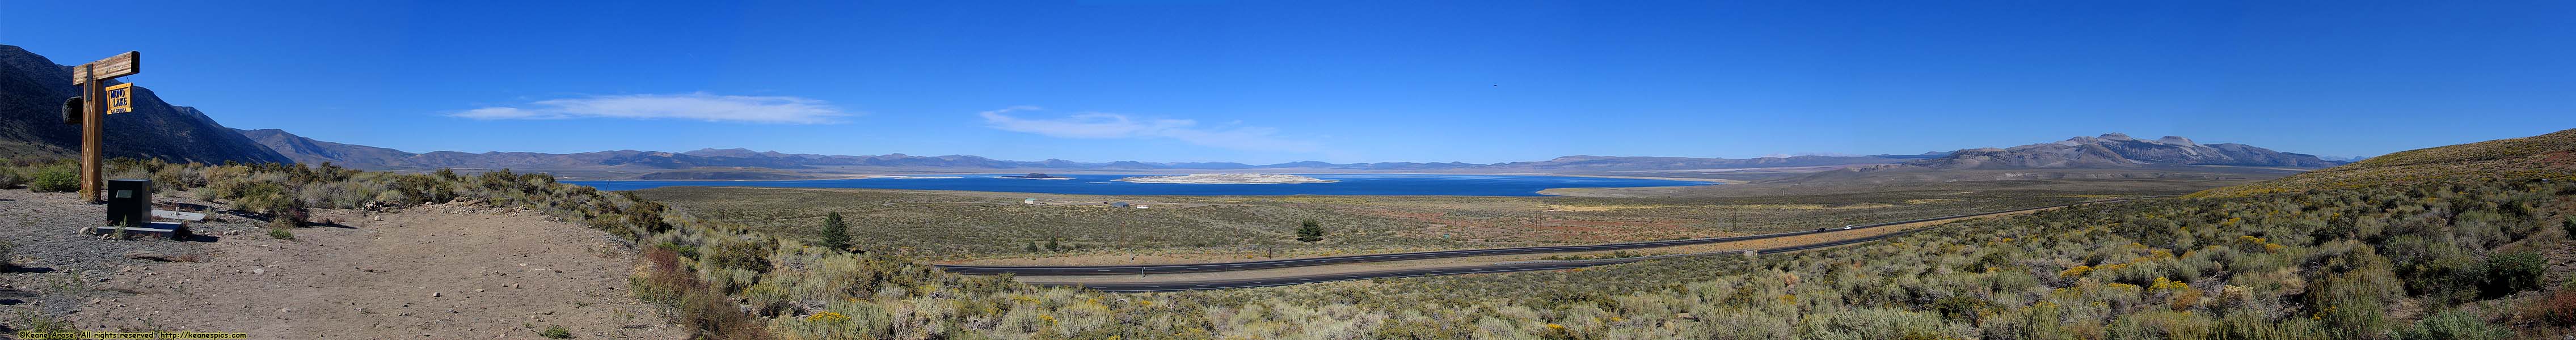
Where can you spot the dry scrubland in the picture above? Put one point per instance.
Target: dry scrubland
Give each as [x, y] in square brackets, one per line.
[2439, 260]
[971, 225]
[1707, 249]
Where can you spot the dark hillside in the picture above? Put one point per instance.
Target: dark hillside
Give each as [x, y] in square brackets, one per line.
[2119, 151]
[32, 89]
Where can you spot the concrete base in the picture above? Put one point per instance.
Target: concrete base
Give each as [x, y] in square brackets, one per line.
[167, 230]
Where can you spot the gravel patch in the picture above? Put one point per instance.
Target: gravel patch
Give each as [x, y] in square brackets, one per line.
[57, 267]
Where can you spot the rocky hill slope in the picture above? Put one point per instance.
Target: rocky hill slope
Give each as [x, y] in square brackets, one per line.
[2550, 156]
[32, 90]
[2117, 150]
[2107, 156]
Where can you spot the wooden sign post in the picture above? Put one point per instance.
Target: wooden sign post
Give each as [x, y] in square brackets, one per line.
[93, 78]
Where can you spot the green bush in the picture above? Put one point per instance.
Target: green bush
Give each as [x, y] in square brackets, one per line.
[1310, 231]
[55, 179]
[555, 332]
[2512, 272]
[2569, 226]
[175, 178]
[1962, 307]
[2452, 325]
[8, 255]
[744, 255]
[281, 233]
[261, 197]
[10, 178]
[417, 189]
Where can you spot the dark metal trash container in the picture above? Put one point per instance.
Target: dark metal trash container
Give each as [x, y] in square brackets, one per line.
[129, 202]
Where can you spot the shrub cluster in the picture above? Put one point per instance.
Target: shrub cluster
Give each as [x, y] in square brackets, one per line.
[11, 179]
[56, 177]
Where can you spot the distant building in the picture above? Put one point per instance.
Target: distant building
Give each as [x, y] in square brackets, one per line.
[1118, 204]
[1028, 201]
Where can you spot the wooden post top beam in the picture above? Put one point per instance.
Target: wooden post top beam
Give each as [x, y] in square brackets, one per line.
[123, 64]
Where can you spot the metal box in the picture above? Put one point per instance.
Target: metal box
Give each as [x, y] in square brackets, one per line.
[129, 202]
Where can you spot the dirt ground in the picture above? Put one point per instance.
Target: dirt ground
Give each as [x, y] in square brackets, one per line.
[435, 272]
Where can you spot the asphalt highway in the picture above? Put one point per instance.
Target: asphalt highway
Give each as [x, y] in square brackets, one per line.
[1318, 261]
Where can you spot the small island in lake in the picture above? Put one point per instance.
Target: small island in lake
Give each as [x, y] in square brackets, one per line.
[1036, 176]
[1226, 179]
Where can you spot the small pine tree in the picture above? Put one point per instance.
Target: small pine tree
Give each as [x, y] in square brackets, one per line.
[1310, 231]
[1033, 246]
[1052, 246]
[836, 234]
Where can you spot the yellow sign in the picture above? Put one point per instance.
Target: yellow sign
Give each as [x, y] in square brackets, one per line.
[120, 98]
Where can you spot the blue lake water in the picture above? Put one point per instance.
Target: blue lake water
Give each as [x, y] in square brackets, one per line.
[1102, 184]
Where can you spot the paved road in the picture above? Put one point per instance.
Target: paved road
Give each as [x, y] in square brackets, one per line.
[1318, 261]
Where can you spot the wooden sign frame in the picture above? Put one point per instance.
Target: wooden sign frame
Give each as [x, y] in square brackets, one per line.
[91, 77]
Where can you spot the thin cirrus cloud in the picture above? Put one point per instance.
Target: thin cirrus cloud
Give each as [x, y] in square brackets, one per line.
[694, 106]
[1097, 125]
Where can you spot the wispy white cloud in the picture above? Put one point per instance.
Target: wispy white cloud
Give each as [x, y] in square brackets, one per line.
[1097, 125]
[694, 106]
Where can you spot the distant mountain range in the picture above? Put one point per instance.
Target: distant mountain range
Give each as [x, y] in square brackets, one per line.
[2117, 150]
[2079, 157]
[308, 150]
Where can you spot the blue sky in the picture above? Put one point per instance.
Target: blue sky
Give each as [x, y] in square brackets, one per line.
[1483, 81]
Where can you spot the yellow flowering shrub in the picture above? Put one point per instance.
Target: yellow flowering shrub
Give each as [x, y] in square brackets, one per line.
[827, 317]
[2078, 271]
